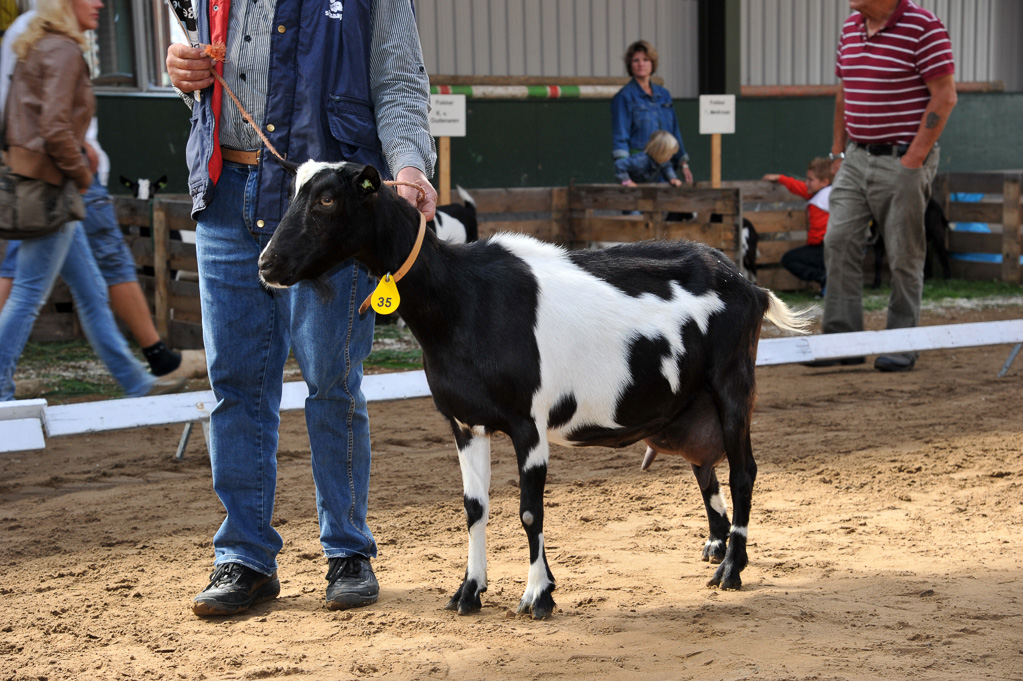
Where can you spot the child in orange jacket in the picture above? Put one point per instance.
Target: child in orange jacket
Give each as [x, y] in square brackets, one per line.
[807, 262]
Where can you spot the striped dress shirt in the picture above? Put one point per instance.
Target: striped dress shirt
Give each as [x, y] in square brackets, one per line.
[398, 80]
[885, 76]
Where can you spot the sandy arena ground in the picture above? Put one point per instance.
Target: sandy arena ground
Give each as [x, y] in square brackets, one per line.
[886, 542]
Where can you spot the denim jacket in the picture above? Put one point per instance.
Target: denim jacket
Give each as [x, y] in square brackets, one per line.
[641, 168]
[635, 116]
[318, 101]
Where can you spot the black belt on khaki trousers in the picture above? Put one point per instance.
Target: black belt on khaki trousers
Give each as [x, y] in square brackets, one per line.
[247, 158]
[883, 149]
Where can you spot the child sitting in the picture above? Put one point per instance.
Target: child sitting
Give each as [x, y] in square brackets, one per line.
[807, 262]
[653, 165]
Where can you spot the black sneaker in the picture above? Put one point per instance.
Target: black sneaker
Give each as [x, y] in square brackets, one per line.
[234, 588]
[352, 583]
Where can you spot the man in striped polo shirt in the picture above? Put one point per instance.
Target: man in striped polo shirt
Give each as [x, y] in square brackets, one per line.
[897, 91]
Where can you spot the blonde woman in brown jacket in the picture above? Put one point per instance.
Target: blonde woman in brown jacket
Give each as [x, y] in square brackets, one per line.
[48, 111]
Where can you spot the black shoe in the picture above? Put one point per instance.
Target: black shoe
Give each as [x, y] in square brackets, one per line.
[352, 583]
[894, 363]
[844, 361]
[234, 588]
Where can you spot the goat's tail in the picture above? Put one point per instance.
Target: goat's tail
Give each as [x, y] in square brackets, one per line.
[787, 319]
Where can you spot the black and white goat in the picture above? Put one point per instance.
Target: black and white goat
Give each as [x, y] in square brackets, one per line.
[455, 222]
[651, 341]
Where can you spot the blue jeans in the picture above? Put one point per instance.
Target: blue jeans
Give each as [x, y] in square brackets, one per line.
[248, 331]
[116, 263]
[65, 252]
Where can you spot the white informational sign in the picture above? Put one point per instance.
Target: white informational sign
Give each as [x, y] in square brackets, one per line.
[447, 115]
[717, 114]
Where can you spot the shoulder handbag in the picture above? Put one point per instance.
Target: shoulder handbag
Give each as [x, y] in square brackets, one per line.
[31, 208]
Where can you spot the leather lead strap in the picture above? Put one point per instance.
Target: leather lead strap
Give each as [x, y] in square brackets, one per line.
[409, 261]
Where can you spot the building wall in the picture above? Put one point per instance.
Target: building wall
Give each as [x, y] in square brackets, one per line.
[532, 143]
[558, 38]
[793, 42]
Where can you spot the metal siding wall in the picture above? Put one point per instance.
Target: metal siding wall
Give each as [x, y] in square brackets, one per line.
[559, 38]
[1006, 48]
[784, 42]
[792, 42]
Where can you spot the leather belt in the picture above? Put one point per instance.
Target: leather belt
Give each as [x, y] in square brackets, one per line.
[884, 149]
[245, 158]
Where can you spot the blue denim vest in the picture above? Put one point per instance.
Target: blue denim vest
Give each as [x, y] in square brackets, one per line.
[318, 100]
[635, 116]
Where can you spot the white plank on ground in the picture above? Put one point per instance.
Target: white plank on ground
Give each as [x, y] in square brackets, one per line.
[134, 412]
[830, 346]
[22, 409]
[21, 434]
[17, 417]
[21, 425]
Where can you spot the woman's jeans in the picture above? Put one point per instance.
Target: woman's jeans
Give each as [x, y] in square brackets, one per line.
[248, 330]
[66, 253]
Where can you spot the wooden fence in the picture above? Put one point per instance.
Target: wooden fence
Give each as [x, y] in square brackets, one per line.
[780, 220]
[575, 216]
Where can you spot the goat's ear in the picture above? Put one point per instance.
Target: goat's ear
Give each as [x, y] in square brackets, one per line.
[287, 165]
[368, 181]
[162, 182]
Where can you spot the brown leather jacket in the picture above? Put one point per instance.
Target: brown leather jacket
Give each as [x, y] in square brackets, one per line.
[48, 112]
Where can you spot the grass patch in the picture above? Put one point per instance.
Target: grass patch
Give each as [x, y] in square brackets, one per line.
[935, 291]
[394, 349]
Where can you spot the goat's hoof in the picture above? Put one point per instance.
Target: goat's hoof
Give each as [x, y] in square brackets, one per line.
[714, 551]
[541, 608]
[726, 577]
[467, 599]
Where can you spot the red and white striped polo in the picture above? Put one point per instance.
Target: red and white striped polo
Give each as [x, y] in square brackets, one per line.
[885, 76]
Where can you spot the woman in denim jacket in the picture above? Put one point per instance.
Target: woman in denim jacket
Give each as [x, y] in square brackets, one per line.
[641, 108]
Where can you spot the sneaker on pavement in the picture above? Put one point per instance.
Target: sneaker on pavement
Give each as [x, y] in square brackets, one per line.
[352, 583]
[165, 385]
[234, 588]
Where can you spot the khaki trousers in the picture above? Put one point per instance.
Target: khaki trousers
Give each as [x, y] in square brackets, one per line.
[878, 187]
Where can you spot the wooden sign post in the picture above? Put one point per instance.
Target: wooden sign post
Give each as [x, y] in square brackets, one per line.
[717, 117]
[447, 120]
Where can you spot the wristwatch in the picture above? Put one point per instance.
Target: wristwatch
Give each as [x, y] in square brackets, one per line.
[832, 156]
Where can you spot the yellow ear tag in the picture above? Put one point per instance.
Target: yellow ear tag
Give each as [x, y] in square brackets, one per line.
[385, 297]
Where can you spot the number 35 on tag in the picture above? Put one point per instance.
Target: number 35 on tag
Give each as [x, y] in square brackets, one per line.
[385, 297]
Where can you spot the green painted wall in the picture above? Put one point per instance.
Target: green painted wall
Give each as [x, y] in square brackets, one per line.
[552, 142]
[144, 137]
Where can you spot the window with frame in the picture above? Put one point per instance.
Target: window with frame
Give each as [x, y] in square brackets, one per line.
[131, 42]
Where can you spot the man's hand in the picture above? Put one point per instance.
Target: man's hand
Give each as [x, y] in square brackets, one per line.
[687, 174]
[189, 68]
[428, 204]
[912, 163]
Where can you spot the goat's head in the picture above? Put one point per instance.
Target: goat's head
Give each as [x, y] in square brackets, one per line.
[144, 188]
[331, 219]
